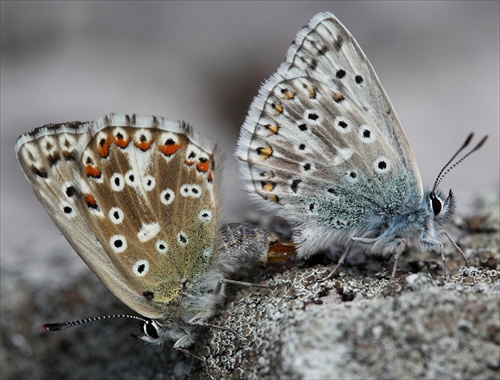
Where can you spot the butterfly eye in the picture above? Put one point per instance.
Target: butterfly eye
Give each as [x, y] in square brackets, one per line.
[151, 330]
[436, 204]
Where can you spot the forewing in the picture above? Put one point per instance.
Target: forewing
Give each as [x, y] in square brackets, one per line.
[143, 205]
[322, 134]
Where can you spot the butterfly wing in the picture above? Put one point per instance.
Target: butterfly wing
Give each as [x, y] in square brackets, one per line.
[321, 141]
[135, 198]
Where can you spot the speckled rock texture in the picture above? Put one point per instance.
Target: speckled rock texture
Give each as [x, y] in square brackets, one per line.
[359, 324]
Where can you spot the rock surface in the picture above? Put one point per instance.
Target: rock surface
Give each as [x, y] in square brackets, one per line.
[358, 324]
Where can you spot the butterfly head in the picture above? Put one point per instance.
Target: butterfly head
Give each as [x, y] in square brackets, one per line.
[442, 208]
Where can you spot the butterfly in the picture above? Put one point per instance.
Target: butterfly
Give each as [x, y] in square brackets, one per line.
[322, 148]
[137, 197]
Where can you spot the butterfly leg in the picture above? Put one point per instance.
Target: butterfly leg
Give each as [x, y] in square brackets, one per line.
[456, 246]
[339, 263]
[401, 246]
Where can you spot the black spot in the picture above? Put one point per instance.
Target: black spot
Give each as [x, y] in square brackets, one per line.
[388, 112]
[323, 50]
[149, 182]
[331, 190]
[117, 181]
[183, 239]
[311, 207]
[186, 190]
[203, 159]
[353, 174]
[41, 173]
[149, 296]
[169, 142]
[342, 124]
[143, 138]
[338, 43]
[70, 191]
[303, 127]
[161, 246]
[69, 156]
[195, 190]
[141, 268]
[53, 160]
[307, 167]
[67, 210]
[313, 65]
[192, 155]
[102, 142]
[302, 146]
[204, 215]
[116, 215]
[167, 196]
[312, 116]
[366, 134]
[89, 161]
[131, 177]
[118, 243]
[358, 79]
[48, 146]
[340, 74]
[119, 136]
[284, 90]
[295, 185]
[382, 165]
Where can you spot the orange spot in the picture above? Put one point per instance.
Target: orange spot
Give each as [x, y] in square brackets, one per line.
[264, 152]
[121, 142]
[170, 149]
[289, 95]
[273, 129]
[268, 186]
[210, 177]
[90, 200]
[272, 197]
[103, 149]
[280, 252]
[92, 171]
[312, 92]
[189, 163]
[278, 108]
[203, 166]
[143, 145]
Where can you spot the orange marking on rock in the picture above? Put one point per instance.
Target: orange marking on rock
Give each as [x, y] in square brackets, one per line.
[170, 149]
[92, 171]
[103, 149]
[203, 166]
[143, 145]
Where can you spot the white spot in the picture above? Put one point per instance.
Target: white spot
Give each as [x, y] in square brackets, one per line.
[343, 155]
[205, 215]
[148, 231]
[117, 182]
[140, 268]
[191, 190]
[132, 178]
[366, 134]
[382, 165]
[182, 238]
[47, 144]
[120, 131]
[148, 182]
[144, 133]
[342, 125]
[207, 254]
[116, 215]
[167, 196]
[67, 209]
[313, 116]
[161, 246]
[118, 243]
[192, 153]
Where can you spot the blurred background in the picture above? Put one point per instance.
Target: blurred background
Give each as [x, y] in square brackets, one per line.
[204, 61]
